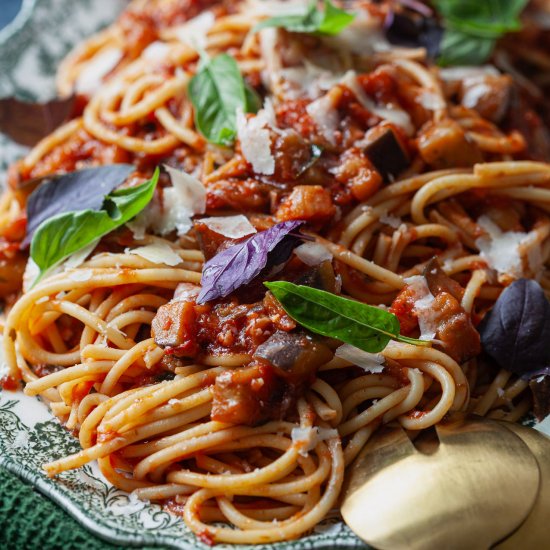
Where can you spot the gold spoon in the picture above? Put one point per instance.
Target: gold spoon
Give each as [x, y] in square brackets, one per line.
[470, 491]
[534, 533]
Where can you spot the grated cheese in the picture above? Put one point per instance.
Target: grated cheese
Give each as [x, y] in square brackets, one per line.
[502, 249]
[93, 73]
[80, 275]
[232, 227]
[391, 220]
[133, 505]
[180, 203]
[369, 362]
[255, 140]
[308, 438]
[157, 253]
[423, 306]
[391, 113]
[194, 32]
[312, 253]
[325, 116]
[156, 51]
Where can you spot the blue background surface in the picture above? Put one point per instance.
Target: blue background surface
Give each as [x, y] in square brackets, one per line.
[8, 11]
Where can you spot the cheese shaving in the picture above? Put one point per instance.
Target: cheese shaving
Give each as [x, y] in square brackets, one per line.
[370, 362]
[95, 70]
[313, 253]
[232, 227]
[501, 249]
[157, 253]
[194, 32]
[423, 306]
[255, 138]
[308, 438]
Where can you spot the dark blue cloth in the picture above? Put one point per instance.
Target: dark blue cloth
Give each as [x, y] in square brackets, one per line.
[8, 11]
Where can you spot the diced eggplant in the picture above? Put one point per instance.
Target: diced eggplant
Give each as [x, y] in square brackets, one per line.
[174, 326]
[296, 355]
[386, 153]
[321, 277]
[209, 241]
[439, 282]
[443, 144]
[489, 95]
[541, 397]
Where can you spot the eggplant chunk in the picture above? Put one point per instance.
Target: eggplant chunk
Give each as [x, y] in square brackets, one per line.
[295, 355]
[386, 153]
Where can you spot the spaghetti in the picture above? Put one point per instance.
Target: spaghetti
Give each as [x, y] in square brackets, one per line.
[153, 417]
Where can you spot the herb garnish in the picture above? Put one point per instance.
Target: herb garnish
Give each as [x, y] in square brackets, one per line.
[516, 332]
[217, 91]
[473, 27]
[470, 30]
[366, 327]
[329, 21]
[64, 234]
[241, 263]
[61, 192]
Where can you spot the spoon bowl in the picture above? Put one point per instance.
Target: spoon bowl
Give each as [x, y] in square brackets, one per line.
[469, 491]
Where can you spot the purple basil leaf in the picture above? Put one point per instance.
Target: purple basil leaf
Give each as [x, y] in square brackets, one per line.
[516, 332]
[413, 31]
[81, 190]
[239, 264]
[28, 122]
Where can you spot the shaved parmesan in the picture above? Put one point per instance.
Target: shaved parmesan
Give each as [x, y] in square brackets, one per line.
[364, 36]
[313, 253]
[156, 51]
[309, 79]
[423, 306]
[157, 253]
[451, 74]
[255, 139]
[369, 362]
[95, 70]
[180, 203]
[391, 220]
[78, 257]
[430, 100]
[271, 8]
[232, 227]
[501, 249]
[193, 32]
[391, 113]
[186, 292]
[80, 275]
[133, 505]
[325, 116]
[306, 439]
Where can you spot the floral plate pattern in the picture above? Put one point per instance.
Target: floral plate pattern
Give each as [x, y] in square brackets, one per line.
[30, 50]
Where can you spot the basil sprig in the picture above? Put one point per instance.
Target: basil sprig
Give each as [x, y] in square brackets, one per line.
[217, 91]
[366, 327]
[329, 21]
[61, 236]
[472, 28]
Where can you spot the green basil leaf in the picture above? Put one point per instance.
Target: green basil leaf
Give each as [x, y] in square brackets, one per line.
[61, 236]
[253, 100]
[216, 91]
[330, 21]
[365, 327]
[472, 28]
[458, 48]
